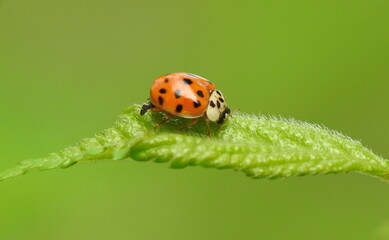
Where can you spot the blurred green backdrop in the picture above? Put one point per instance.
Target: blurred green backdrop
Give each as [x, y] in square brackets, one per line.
[68, 68]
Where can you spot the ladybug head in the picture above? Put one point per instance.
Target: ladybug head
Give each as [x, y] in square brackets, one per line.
[217, 110]
[224, 116]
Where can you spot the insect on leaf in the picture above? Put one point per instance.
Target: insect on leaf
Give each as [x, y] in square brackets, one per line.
[259, 146]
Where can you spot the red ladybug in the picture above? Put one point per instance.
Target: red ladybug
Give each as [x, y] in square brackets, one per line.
[189, 96]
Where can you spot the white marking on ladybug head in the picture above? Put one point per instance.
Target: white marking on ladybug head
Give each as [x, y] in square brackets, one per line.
[217, 110]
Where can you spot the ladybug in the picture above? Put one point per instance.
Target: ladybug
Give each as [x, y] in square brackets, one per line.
[189, 96]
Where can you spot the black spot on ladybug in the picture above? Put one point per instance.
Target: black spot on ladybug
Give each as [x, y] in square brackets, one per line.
[196, 104]
[166, 80]
[218, 104]
[200, 93]
[194, 75]
[162, 90]
[221, 99]
[179, 108]
[212, 104]
[218, 92]
[160, 100]
[177, 93]
[187, 81]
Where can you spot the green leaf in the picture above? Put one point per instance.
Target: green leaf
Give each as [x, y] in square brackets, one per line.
[259, 146]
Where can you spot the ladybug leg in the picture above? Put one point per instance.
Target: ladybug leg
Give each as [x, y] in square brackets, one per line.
[146, 107]
[164, 119]
[193, 122]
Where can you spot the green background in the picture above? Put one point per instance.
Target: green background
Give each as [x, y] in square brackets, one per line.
[68, 68]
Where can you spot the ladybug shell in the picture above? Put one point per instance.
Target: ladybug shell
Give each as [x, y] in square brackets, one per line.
[181, 94]
[210, 86]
